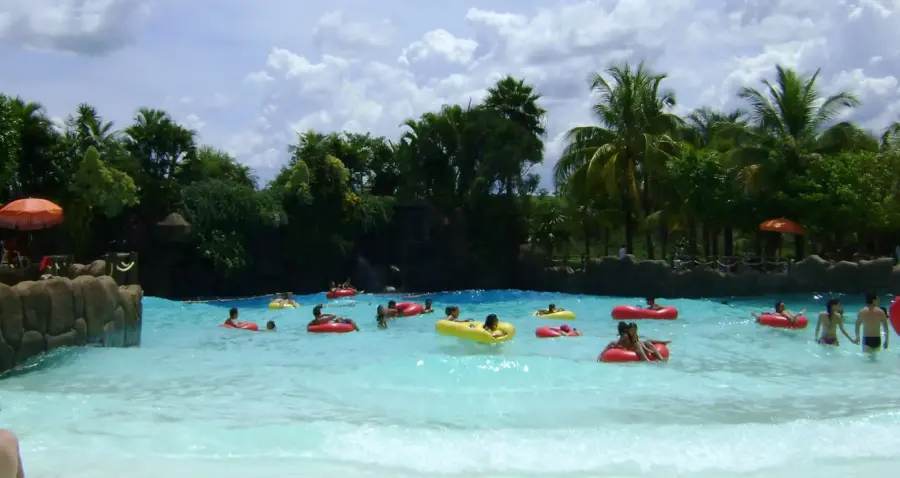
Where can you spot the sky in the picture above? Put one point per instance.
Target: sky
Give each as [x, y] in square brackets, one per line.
[247, 75]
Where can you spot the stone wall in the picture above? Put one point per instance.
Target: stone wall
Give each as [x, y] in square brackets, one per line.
[38, 316]
[630, 277]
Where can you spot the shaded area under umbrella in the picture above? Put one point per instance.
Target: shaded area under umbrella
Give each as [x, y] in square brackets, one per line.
[786, 226]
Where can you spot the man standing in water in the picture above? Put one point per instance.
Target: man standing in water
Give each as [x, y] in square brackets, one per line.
[872, 319]
[10, 459]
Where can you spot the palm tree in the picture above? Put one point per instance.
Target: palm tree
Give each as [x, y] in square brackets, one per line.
[633, 141]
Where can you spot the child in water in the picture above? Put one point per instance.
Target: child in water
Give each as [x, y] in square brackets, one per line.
[232, 320]
[270, 326]
[492, 324]
[427, 309]
[551, 308]
[319, 318]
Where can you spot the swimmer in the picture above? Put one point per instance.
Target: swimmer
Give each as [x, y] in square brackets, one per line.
[643, 348]
[319, 318]
[10, 456]
[232, 320]
[565, 329]
[333, 287]
[652, 305]
[624, 340]
[381, 317]
[872, 319]
[270, 326]
[391, 310]
[289, 299]
[491, 324]
[782, 311]
[348, 286]
[550, 309]
[427, 309]
[279, 299]
[452, 314]
[829, 321]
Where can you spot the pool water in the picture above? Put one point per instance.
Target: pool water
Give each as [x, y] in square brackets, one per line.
[196, 400]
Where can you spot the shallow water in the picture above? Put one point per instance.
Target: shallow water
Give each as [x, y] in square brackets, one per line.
[196, 400]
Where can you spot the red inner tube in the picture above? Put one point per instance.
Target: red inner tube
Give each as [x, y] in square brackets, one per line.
[242, 326]
[338, 293]
[407, 309]
[553, 332]
[622, 355]
[894, 313]
[330, 328]
[630, 312]
[780, 322]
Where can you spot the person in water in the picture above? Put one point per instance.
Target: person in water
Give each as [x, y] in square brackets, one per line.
[10, 456]
[348, 286]
[381, 316]
[644, 348]
[289, 299]
[232, 320]
[319, 318]
[391, 310]
[427, 309]
[829, 322]
[452, 314]
[270, 326]
[551, 308]
[492, 325]
[624, 340]
[652, 305]
[781, 310]
[570, 331]
[872, 319]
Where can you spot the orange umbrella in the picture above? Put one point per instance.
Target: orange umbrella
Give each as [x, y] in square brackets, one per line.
[782, 225]
[30, 214]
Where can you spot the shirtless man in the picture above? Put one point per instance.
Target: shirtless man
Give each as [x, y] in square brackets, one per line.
[829, 322]
[10, 458]
[872, 319]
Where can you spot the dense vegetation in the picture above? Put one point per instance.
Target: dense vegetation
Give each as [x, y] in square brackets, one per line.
[698, 183]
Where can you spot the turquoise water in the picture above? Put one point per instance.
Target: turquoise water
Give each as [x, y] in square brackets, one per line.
[196, 400]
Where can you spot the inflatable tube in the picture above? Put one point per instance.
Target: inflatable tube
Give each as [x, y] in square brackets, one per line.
[242, 326]
[553, 332]
[630, 312]
[408, 309]
[779, 322]
[330, 328]
[281, 305]
[561, 315]
[338, 293]
[474, 331]
[622, 355]
[894, 314]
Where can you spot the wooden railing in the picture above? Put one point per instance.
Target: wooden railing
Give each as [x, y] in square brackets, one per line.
[732, 264]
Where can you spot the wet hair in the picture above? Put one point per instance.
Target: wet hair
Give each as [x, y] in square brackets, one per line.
[233, 312]
[392, 304]
[447, 310]
[779, 305]
[551, 306]
[317, 310]
[270, 325]
[829, 306]
[871, 298]
[491, 320]
[622, 328]
[651, 300]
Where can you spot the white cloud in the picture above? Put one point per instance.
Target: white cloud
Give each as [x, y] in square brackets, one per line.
[194, 122]
[279, 67]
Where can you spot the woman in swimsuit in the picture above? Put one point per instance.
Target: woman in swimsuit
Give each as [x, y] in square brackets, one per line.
[829, 321]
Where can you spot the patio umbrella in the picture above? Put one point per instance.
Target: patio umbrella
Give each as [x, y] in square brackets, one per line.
[782, 225]
[30, 214]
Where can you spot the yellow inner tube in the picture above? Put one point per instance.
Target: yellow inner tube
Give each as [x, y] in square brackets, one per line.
[474, 331]
[281, 305]
[560, 314]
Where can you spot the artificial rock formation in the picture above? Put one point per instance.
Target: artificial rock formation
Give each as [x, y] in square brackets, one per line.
[38, 316]
[629, 277]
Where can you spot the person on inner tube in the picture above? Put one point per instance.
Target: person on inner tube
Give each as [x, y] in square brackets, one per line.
[492, 324]
[644, 348]
[652, 305]
[319, 318]
[232, 320]
[452, 314]
[550, 309]
[781, 310]
[624, 340]
[570, 331]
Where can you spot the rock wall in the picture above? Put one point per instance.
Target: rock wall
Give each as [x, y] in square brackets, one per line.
[38, 316]
[629, 277]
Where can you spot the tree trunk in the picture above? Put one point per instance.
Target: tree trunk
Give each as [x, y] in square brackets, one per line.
[587, 240]
[799, 242]
[728, 239]
[714, 239]
[707, 252]
[692, 236]
[605, 233]
[645, 202]
[629, 227]
[664, 242]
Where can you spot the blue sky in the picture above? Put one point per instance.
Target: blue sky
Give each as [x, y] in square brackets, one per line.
[246, 75]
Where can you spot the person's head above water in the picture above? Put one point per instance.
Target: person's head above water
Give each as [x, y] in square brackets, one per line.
[622, 328]
[448, 310]
[491, 321]
[333, 285]
[270, 325]
[779, 307]
[427, 303]
[233, 313]
[651, 301]
[871, 299]
[317, 310]
[632, 328]
[392, 304]
[832, 306]
[565, 328]
[551, 307]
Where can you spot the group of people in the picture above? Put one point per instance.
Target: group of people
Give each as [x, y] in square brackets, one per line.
[285, 299]
[491, 322]
[346, 285]
[383, 313]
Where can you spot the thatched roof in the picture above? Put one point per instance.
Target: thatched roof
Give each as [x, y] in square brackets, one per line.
[174, 220]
